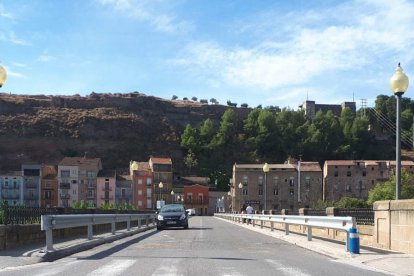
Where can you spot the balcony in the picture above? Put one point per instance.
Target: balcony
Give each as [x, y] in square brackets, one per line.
[11, 196]
[64, 196]
[91, 186]
[64, 185]
[10, 187]
[107, 189]
[107, 197]
[48, 198]
[92, 196]
[31, 197]
[31, 185]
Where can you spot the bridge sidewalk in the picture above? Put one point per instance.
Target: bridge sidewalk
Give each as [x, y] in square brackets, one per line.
[389, 262]
[35, 253]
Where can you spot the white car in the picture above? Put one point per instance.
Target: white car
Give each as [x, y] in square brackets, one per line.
[191, 212]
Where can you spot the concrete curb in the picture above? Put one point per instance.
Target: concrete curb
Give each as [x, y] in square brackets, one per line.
[62, 251]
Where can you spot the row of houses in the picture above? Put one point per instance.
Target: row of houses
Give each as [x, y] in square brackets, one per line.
[291, 185]
[82, 180]
[296, 185]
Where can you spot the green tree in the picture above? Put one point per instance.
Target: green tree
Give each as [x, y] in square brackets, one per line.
[228, 130]
[386, 190]
[190, 139]
[190, 160]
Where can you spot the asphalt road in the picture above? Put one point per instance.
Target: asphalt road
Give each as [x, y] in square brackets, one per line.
[209, 247]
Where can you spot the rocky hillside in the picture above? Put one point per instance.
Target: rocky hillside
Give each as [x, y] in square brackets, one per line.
[114, 127]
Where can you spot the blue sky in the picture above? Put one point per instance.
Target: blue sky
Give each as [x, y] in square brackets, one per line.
[247, 51]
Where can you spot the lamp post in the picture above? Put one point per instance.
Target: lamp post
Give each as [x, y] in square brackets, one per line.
[3, 76]
[398, 85]
[265, 170]
[240, 187]
[160, 186]
[172, 196]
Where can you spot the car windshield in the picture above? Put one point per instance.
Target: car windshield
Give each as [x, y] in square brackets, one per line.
[172, 209]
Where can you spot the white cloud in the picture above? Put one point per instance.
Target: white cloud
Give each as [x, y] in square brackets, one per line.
[5, 14]
[12, 38]
[45, 58]
[348, 38]
[154, 12]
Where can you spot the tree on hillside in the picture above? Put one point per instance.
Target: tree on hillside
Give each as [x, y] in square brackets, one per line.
[190, 139]
[190, 161]
[174, 97]
[194, 99]
[386, 190]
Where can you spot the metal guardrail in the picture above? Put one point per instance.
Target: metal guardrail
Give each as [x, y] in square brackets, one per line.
[51, 222]
[338, 223]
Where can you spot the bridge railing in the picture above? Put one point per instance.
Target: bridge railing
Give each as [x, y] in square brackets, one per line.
[337, 223]
[51, 222]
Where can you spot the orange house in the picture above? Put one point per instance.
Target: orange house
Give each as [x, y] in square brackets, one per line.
[196, 196]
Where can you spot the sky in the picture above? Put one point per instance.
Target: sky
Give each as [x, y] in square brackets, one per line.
[258, 52]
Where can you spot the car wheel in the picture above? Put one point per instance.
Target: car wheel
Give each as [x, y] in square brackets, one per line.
[159, 228]
[186, 226]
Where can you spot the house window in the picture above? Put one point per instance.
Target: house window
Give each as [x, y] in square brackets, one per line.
[291, 182]
[364, 173]
[291, 192]
[307, 183]
[139, 181]
[348, 173]
[245, 180]
[275, 180]
[260, 180]
[149, 192]
[64, 173]
[139, 192]
[260, 192]
[245, 191]
[336, 173]
[149, 203]
[139, 202]
[149, 181]
[348, 188]
[275, 192]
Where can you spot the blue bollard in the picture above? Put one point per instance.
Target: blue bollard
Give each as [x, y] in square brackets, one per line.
[353, 241]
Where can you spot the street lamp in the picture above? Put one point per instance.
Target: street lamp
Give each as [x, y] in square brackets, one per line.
[172, 196]
[3, 76]
[160, 186]
[265, 170]
[398, 85]
[240, 187]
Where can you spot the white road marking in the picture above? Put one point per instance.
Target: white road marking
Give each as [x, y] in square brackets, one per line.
[287, 270]
[229, 271]
[114, 267]
[55, 268]
[167, 268]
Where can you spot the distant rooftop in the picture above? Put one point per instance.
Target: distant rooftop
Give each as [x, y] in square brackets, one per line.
[78, 161]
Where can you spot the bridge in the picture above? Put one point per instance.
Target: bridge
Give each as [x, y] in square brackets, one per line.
[216, 246]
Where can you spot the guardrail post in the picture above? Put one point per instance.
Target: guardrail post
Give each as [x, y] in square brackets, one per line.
[272, 226]
[90, 231]
[139, 222]
[49, 240]
[261, 224]
[129, 223]
[147, 221]
[287, 228]
[309, 233]
[113, 227]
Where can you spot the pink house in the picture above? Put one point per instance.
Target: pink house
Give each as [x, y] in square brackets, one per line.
[105, 188]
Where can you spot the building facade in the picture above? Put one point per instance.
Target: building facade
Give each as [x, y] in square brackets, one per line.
[311, 108]
[105, 187]
[142, 185]
[77, 178]
[49, 186]
[11, 188]
[123, 190]
[162, 171]
[31, 185]
[354, 178]
[284, 186]
[197, 197]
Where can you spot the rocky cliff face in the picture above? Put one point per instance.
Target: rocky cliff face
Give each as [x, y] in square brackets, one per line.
[115, 127]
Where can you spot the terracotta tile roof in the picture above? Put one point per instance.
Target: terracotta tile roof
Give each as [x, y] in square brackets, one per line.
[367, 162]
[160, 160]
[79, 161]
[310, 167]
[260, 166]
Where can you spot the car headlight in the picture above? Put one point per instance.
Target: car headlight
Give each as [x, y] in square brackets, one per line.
[183, 216]
[160, 217]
